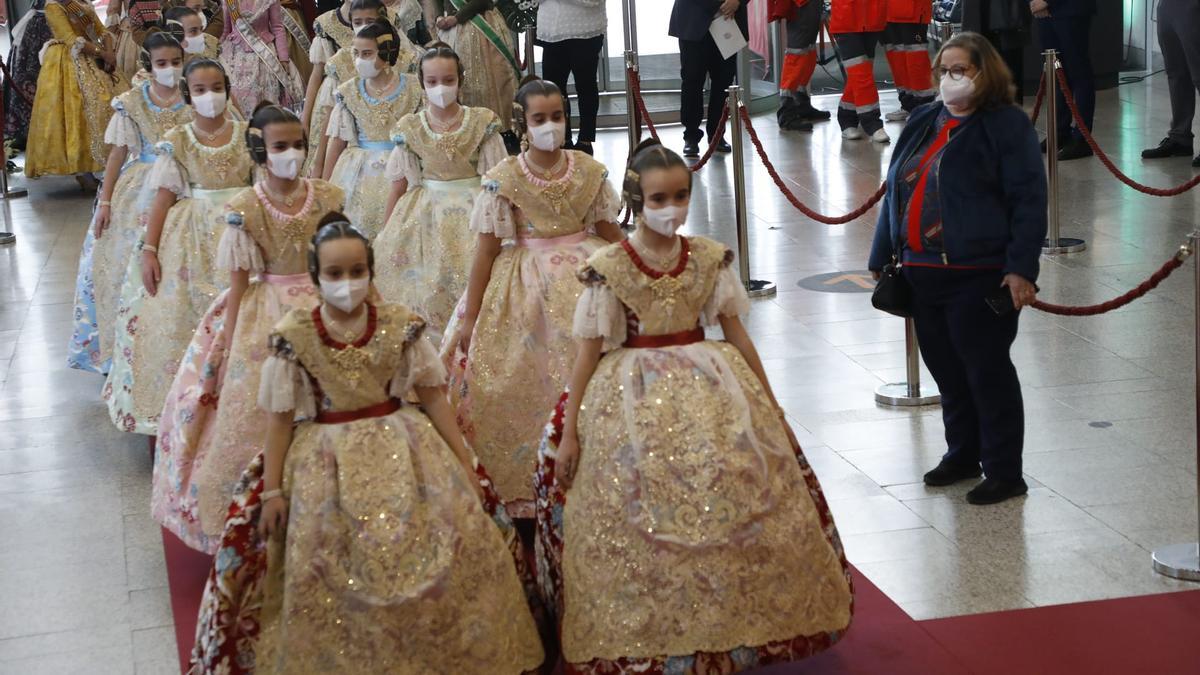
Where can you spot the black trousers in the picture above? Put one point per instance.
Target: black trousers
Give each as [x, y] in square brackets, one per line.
[966, 348]
[581, 59]
[1069, 36]
[1178, 27]
[700, 60]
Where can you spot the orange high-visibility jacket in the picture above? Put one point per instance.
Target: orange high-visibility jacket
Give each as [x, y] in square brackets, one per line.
[857, 16]
[909, 11]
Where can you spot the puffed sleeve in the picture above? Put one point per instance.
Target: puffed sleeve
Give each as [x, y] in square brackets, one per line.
[599, 314]
[167, 172]
[605, 208]
[491, 151]
[284, 385]
[327, 94]
[122, 130]
[237, 250]
[493, 213]
[321, 51]
[728, 297]
[403, 163]
[341, 122]
[420, 367]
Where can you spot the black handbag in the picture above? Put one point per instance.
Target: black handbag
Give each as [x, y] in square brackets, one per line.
[893, 294]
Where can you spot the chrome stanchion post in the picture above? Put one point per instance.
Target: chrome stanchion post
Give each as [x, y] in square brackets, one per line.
[530, 65]
[1054, 243]
[910, 392]
[1182, 561]
[756, 288]
[634, 119]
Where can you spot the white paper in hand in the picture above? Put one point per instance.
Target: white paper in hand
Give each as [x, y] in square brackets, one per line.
[727, 35]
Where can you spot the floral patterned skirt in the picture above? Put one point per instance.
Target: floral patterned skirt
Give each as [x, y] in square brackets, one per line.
[211, 425]
[253, 81]
[695, 539]
[360, 173]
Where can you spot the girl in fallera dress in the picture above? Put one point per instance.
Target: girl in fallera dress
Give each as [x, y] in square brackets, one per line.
[203, 447]
[556, 208]
[426, 246]
[75, 85]
[360, 126]
[187, 26]
[380, 556]
[694, 536]
[172, 281]
[477, 31]
[142, 115]
[257, 56]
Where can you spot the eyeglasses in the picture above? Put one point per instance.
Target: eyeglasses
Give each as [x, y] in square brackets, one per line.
[955, 72]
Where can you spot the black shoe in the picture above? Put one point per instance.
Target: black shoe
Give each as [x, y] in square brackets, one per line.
[992, 491]
[948, 474]
[1076, 149]
[1168, 148]
[796, 123]
[786, 112]
[812, 114]
[723, 147]
[691, 149]
[1195, 162]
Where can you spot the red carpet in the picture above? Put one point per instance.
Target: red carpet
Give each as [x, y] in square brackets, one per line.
[1152, 634]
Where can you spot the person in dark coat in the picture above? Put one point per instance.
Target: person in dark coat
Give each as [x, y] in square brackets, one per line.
[700, 60]
[1065, 26]
[1007, 24]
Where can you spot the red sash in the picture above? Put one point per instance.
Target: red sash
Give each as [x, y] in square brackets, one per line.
[378, 410]
[686, 337]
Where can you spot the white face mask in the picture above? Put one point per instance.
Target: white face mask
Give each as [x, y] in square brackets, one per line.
[194, 44]
[286, 164]
[167, 77]
[366, 68]
[549, 136]
[442, 95]
[346, 294]
[665, 220]
[209, 104]
[956, 92]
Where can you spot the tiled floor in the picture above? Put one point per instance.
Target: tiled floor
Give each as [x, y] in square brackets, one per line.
[1110, 438]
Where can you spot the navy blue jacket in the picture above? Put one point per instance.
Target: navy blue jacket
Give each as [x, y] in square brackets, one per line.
[690, 19]
[991, 190]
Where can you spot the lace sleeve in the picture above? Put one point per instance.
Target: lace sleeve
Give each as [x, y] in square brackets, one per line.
[605, 208]
[599, 314]
[168, 172]
[403, 163]
[341, 123]
[729, 296]
[122, 130]
[320, 51]
[325, 95]
[421, 368]
[491, 153]
[237, 250]
[493, 213]
[284, 385]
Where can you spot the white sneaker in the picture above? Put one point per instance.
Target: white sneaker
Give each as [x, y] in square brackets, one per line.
[896, 115]
[853, 134]
[881, 137]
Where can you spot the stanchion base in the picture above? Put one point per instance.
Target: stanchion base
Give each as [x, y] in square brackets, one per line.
[1179, 561]
[896, 394]
[761, 289]
[7, 238]
[1063, 245]
[14, 193]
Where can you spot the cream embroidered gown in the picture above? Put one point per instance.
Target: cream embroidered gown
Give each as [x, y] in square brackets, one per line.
[390, 563]
[211, 426]
[365, 123]
[695, 535]
[137, 125]
[425, 250]
[153, 332]
[522, 350]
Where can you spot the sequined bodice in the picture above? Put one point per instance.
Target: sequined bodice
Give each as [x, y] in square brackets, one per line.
[662, 302]
[152, 121]
[374, 118]
[284, 241]
[329, 25]
[550, 208]
[228, 166]
[352, 376]
[449, 156]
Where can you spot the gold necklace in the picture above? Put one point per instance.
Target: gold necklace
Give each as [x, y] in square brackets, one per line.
[441, 127]
[661, 262]
[289, 199]
[164, 103]
[541, 171]
[347, 334]
[378, 92]
[210, 137]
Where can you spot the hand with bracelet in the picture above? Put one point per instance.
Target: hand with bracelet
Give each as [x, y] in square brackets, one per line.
[103, 217]
[151, 270]
[273, 518]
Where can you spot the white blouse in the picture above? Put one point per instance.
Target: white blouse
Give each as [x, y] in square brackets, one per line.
[559, 20]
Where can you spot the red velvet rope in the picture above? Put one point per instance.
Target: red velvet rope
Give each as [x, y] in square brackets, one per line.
[1037, 101]
[712, 142]
[791, 197]
[1108, 164]
[1121, 300]
[635, 84]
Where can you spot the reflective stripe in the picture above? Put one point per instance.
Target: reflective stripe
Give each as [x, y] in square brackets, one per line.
[799, 50]
[855, 61]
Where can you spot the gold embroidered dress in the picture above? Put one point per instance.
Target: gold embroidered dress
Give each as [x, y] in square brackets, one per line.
[137, 125]
[491, 79]
[153, 332]
[522, 350]
[71, 108]
[390, 563]
[694, 529]
[211, 426]
[365, 123]
[424, 252]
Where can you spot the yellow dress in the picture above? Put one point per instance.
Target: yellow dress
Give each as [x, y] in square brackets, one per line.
[491, 80]
[693, 525]
[423, 254]
[365, 123]
[71, 108]
[522, 349]
[388, 551]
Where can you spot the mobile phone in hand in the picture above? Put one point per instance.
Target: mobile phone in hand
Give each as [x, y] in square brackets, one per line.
[1000, 300]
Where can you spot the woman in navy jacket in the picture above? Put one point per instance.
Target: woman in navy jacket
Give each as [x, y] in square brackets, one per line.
[965, 215]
